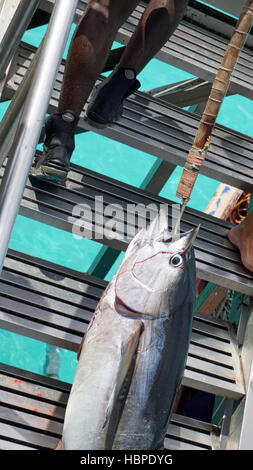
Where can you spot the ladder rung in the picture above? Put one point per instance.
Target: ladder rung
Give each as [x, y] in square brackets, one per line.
[183, 433]
[195, 49]
[32, 412]
[160, 129]
[55, 304]
[31, 306]
[216, 259]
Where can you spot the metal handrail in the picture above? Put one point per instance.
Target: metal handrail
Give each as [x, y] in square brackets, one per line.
[15, 30]
[24, 12]
[9, 123]
[32, 119]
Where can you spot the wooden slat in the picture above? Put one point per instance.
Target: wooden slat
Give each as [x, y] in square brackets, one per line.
[31, 420]
[195, 49]
[185, 434]
[215, 356]
[212, 344]
[162, 130]
[9, 445]
[219, 330]
[24, 425]
[25, 436]
[212, 364]
[216, 259]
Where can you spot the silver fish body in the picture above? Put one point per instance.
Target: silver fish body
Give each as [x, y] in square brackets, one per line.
[134, 352]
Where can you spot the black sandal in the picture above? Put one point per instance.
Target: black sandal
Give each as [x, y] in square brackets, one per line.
[54, 163]
[106, 102]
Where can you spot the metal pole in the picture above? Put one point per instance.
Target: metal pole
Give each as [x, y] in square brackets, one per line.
[246, 436]
[9, 122]
[15, 30]
[28, 132]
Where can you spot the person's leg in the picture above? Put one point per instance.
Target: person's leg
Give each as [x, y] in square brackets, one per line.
[87, 55]
[157, 24]
[242, 237]
[89, 50]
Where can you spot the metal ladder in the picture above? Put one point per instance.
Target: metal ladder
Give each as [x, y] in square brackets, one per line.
[54, 304]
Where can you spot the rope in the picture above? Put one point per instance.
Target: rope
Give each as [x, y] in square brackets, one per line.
[197, 153]
[239, 210]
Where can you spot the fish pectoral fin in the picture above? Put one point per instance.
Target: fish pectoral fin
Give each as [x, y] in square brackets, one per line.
[109, 407]
[128, 353]
[123, 378]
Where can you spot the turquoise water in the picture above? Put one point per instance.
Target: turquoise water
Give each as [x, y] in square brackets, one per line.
[118, 161]
[218, 9]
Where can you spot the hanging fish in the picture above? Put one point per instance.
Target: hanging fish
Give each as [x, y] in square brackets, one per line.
[134, 351]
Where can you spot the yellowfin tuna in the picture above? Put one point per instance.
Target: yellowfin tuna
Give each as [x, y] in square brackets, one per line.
[134, 352]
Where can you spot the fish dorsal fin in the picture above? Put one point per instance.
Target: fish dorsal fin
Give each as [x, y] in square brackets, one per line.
[135, 243]
[157, 227]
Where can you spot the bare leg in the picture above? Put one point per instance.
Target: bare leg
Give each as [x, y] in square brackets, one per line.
[242, 237]
[95, 34]
[158, 23]
[87, 55]
[90, 48]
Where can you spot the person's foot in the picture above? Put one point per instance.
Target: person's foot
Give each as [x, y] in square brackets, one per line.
[54, 163]
[106, 102]
[242, 237]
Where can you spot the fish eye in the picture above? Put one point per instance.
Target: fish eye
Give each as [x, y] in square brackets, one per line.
[176, 260]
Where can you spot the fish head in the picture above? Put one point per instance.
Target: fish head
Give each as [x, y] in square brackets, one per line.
[157, 273]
